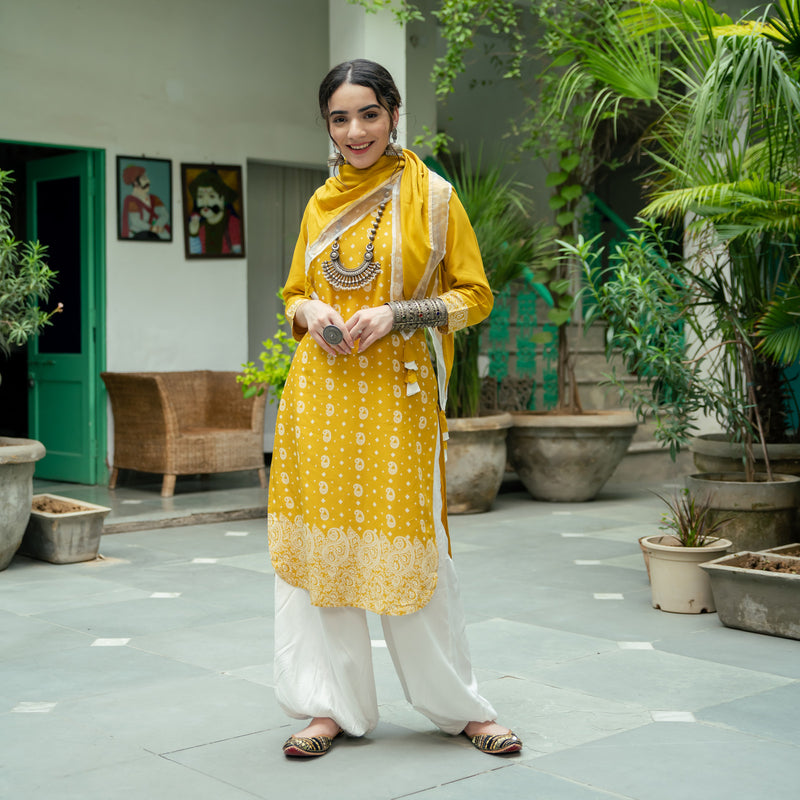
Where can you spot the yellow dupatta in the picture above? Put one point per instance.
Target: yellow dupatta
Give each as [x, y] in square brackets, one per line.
[434, 251]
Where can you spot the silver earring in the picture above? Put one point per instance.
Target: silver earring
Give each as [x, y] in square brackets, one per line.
[337, 159]
[394, 134]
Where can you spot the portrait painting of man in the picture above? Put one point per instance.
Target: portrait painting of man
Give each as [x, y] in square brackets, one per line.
[144, 199]
[213, 219]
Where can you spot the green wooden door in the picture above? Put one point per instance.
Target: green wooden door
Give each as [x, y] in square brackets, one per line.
[62, 361]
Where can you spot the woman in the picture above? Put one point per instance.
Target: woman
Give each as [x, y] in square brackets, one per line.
[357, 517]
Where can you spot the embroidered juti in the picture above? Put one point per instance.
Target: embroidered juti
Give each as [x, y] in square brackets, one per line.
[351, 512]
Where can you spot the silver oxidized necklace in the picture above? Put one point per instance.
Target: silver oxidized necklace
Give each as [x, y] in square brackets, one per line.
[339, 276]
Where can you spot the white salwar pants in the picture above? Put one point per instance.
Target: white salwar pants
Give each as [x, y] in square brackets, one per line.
[323, 656]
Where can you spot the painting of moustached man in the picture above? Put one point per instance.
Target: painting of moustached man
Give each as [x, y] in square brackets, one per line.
[214, 224]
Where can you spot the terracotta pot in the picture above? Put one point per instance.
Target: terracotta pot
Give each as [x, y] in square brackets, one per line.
[677, 583]
[761, 513]
[18, 459]
[568, 457]
[476, 462]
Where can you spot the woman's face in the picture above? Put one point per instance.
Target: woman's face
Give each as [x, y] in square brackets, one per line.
[359, 125]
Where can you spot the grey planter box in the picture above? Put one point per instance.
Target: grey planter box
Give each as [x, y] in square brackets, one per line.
[755, 600]
[67, 537]
[792, 550]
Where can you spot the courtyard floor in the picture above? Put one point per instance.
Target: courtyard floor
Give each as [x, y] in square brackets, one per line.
[147, 673]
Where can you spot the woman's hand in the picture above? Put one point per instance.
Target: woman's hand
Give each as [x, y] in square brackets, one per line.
[316, 316]
[370, 324]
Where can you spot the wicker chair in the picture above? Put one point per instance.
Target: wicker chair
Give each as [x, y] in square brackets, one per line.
[184, 423]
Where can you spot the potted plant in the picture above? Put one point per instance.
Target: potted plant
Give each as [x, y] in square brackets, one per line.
[757, 592]
[723, 146]
[275, 358]
[512, 245]
[63, 531]
[677, 584]
[548, 450]
[24, 278]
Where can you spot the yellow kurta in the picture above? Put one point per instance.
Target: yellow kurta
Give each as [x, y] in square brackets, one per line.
[351, 481]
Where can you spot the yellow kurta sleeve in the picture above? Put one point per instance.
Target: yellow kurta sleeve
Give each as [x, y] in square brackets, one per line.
[465, 290]
[296, 289]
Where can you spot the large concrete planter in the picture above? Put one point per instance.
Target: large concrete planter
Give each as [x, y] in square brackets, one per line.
[18, 459]
[754, 599]
[568, 457]
[64, 536]
[476, 462]
[762, 513]
[677, 583]
[714, 452]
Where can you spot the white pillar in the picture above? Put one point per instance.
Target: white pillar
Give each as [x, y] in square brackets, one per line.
[378, 37]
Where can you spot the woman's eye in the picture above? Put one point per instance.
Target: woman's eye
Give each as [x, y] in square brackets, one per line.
[339, 120]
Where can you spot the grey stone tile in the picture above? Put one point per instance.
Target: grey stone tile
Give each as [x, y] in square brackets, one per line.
[131, 618]
[63, 591]
[770, 715]
[24, 636]
[549, 719]
[694, 761]
[146, 776]
[719, 644]
[633, 618]
[389, 763]
[40, 749]
[657, 680]
[77, 672]
[516, 648]
[179, 715]
[515, 782]
[226, 646]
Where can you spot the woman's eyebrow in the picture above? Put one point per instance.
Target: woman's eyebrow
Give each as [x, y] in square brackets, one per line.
[360, 110]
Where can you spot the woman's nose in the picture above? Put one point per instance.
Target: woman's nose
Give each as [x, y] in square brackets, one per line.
[356, 128]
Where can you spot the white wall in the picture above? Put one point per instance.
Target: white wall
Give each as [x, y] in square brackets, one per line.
[187, 80]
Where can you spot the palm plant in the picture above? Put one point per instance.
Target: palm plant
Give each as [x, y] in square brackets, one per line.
[726, 159]
[512, 245]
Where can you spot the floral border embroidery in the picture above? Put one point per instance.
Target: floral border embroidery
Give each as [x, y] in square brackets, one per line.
[343, 567]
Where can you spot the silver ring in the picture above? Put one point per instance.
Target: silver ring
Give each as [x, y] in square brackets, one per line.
[332, 335]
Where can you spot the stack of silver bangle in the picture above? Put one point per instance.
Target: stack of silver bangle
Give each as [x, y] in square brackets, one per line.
[412, 314]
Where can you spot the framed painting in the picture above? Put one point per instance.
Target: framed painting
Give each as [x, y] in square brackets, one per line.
[144, 199]
[213, 218]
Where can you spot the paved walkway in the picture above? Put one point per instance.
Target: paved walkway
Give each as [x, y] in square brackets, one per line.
[146, 674]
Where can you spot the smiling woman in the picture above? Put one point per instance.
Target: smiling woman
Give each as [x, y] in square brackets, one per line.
[357, 520]
[359, 126]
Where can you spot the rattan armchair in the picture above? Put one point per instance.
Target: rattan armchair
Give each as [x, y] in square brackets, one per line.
[184, 423]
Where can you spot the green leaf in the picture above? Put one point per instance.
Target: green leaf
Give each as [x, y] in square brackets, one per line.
[555, 179]
[543, 337]
[565, 218]
[558, 316]
[556, 201]
[570, 162]
[572, 192]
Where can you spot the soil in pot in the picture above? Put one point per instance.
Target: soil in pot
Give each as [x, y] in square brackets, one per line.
[786, 566]
[54, 505]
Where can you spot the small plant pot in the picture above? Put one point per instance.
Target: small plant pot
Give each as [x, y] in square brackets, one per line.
[756, 600]
[677, 584]
[64, 536]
